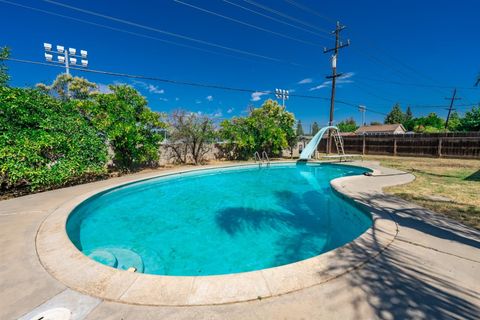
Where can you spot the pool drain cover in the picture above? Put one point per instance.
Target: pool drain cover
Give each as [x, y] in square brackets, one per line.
[53, 314]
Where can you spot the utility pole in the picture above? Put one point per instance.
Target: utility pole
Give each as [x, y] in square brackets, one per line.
[338, 45]
[362, 109]
[452, 100]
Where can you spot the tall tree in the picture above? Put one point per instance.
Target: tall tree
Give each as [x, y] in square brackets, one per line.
[348, 125]
[315, 128]
[395, 116]
[66, 87]
[471, 120]
[408, 122]
[125, 119]
[299, 128]
[269, 128]
[431, 123]
[4, 77]
[454, 123]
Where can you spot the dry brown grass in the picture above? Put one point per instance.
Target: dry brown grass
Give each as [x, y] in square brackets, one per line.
[447, 186]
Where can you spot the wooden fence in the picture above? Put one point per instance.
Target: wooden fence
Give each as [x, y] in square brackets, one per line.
[447, 145]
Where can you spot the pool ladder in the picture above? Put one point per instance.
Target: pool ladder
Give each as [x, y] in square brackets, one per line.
[261, 159]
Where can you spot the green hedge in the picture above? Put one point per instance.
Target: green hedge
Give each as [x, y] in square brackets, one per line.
[45, 143]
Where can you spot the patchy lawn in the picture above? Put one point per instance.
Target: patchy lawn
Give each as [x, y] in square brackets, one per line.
[447, 186]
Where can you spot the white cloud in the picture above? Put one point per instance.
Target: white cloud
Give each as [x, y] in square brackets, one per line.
[177, 99]
[163, 99]
[305, 81]
[256, 96]
[347, 75]
[149, 87]
[217, 114]
[230, 110]
[345, 78]
[320, 86]
[103, 88]
[198, 101]
[154, 89]
[209, 98]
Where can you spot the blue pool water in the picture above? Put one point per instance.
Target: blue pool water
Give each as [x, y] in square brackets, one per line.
[218, 221]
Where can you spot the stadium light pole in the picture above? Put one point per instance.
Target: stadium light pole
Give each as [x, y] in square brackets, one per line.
[282, 94]
[65, 56]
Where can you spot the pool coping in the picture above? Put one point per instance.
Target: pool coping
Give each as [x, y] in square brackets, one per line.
[59, 256]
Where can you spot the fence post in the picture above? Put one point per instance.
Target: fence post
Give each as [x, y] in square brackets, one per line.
[394, 147]
[363, 145]
[440, 147]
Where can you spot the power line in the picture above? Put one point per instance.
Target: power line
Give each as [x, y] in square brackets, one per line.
[172, 34]
[186, 83]
[304, 8]
[413, 84]
[121, 30]
[245, 23]
[410, 68]
[276, 20]
[285, 16]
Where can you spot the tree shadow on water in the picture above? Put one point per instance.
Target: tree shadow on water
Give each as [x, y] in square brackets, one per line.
[298, 214]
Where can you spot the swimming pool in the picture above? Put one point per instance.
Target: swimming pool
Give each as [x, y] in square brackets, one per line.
[218, 221]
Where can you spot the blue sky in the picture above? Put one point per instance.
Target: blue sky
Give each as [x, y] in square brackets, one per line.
[409, 42]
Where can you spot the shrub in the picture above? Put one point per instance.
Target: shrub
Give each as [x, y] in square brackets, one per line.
[45, 143]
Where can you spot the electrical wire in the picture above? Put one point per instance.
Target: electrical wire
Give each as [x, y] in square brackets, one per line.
[122, 30]
[246, 23]
[277, 20]
[283, 15]
[172, 34]
[186, 83]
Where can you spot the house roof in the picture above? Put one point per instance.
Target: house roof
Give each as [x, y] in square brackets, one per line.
[381, 128]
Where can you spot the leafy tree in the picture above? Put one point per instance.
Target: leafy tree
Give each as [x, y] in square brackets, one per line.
[299, 128]
[315, 128]
[431, 123]
[375, 123]
[348, 125]
[408, 123]
[395, 116]
[471, 120]
[268, 128]
[454, 123]
[66, 87]
[131, 128]
[45, 143]
[4, 77]
[190, 136]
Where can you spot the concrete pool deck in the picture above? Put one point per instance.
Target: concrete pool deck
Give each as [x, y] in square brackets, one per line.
[414, 264]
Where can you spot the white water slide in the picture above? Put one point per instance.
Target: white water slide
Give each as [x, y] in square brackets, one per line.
[312, 145]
